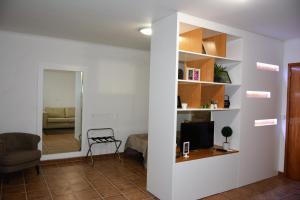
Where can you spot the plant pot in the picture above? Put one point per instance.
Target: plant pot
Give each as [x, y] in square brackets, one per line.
[217, 79]
[226, 145]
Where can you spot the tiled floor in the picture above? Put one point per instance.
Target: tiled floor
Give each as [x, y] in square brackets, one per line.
[111, 179]
[275, 188]
[59, 141]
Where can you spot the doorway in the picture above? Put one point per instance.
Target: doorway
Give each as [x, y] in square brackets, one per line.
[62, 111]
[292, 147]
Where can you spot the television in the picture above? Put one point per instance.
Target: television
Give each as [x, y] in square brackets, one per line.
[199, 134]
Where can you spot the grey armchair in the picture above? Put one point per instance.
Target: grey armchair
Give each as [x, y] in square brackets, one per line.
[19, 151]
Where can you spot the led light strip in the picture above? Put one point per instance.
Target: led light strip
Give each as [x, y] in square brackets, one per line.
[258, 94]
[265, 122]
[267, 67]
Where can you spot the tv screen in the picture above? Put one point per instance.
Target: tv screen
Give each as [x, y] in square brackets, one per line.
[199, 134]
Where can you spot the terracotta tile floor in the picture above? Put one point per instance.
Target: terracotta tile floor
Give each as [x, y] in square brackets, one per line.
[275, 188]
[112, 179]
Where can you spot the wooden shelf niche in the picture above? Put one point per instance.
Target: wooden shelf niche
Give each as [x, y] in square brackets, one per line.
[206, 67]
[205, 153]
[203, 41]
[213, 92]
[198, 95]
[191, 41]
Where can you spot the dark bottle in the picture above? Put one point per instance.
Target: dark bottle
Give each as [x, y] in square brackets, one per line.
[226, 101]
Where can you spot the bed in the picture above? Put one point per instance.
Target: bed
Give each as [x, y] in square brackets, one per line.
[139, 143]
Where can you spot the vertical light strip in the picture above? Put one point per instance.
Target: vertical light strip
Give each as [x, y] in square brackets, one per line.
[267, 67]
[258, 94]
[265, 122]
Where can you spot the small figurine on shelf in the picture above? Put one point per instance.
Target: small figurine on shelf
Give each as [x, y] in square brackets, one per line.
[213, 104]
[226, 101]
[216, 105]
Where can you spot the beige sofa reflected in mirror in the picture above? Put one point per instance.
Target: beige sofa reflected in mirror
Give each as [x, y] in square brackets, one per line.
[59, 134]
[58, 117]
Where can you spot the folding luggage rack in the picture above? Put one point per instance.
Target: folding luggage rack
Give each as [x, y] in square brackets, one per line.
[102, 136]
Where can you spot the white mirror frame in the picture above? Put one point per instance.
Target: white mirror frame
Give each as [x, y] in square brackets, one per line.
[39, 129]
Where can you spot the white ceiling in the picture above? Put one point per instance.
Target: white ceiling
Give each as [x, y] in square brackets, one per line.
[116, 22]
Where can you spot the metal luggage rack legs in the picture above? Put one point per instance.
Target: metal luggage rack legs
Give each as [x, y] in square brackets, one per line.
[99, 138]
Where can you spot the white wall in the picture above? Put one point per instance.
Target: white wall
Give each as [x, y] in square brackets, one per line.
[259, 146]
[291, 55]
[116, 82]
[59, 88]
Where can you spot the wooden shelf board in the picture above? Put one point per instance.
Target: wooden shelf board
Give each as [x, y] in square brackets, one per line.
[204, 153]
[206, 109]
[206, 83]
[187, 56]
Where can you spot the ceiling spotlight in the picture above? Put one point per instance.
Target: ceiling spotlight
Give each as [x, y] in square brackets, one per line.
[146, 31]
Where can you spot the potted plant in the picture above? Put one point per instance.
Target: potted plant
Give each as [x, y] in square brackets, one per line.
[220, 74]
[226, 132]
[218, 71]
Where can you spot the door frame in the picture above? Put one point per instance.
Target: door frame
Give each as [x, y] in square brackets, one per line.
[290, 65]
[40, 103]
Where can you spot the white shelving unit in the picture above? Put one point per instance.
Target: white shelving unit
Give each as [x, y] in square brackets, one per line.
[164, 114]
[194, 179]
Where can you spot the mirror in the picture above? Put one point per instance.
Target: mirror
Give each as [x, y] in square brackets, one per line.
[62, 111]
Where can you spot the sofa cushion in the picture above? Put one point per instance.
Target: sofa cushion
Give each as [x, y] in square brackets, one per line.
[19, 157]
[61, 120]
[55, 112]
[70, 112]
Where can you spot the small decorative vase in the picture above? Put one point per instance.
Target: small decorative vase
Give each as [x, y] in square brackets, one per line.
[226, 101]
[226, 145]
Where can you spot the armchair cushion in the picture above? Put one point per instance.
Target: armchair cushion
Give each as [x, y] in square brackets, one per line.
[18, 157]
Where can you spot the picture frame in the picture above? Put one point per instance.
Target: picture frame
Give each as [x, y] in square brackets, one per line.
[189, 74]
[197, 74]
